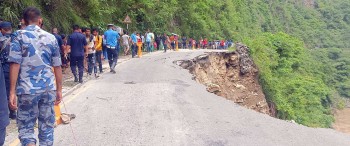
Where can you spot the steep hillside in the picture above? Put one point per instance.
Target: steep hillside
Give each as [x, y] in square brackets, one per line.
[319, 23]
[292, 79]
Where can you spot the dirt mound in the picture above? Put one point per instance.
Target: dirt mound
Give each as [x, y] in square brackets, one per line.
[232, 75]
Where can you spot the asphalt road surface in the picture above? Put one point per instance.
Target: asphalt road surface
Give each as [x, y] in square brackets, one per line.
[151, 101]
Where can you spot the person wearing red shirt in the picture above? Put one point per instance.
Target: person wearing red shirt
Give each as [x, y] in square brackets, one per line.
[205, 43]
[222, 44]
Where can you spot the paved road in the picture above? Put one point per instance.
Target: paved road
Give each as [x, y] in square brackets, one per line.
[151, 101]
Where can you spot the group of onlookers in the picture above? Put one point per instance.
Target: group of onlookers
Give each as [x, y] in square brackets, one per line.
[205, 44]
[31, 62]
[30, 78]
[165, 42]
[220, 44]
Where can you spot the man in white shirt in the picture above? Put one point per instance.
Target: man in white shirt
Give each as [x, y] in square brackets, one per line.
[126, 40]
[149, 41]
[91, 52]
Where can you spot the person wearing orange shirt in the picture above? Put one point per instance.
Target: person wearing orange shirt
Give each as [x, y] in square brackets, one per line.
[172, 42]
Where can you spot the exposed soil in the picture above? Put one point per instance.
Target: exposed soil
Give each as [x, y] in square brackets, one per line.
[342, 118]
[310, 3]
[232, 75]
[342, 121]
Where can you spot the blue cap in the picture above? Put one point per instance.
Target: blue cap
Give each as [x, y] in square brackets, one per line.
[5, 24]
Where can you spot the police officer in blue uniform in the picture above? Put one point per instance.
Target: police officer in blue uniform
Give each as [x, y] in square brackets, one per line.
[112, 45]
[78, 46]
[4, 110]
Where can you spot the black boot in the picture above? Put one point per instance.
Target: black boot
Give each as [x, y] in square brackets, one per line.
[81, 79]
[75, 78]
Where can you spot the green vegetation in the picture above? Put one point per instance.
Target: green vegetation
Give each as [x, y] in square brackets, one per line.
[319, 23]
[303, 83]
[336, 68]
[291, 79]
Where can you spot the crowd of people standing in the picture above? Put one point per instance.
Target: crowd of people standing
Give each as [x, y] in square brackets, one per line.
[31, 62]
[173, 41]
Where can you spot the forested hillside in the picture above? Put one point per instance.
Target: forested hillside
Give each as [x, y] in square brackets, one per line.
[320, 23]
[294, 42]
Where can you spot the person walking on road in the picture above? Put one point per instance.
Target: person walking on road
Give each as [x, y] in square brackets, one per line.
[184, 39]
[205, 43]
[119, 43]
[98, 47]
[157, 40]
[59, 41]
[149, 41]
[104, 48]
[126, 40]
[172, 42]
[91, 53]
[165, 40]
[66, 53]
[5, 43]
[112, 38]
[176, 41]
[133, 44]
[194, 44]
[36, 63]
[78, 46]
[143, 42]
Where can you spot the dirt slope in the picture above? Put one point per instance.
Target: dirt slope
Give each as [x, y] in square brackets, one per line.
[232, 75]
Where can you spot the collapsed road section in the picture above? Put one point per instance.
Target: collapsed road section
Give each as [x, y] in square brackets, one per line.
[232, 75]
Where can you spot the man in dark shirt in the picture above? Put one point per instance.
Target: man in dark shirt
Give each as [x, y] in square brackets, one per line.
[158, 39]
[165, 41]
[5, 43]
[78, 45]
[4, 115]
[58, 37]
[4, 110]
[184, 39]
[59, 41]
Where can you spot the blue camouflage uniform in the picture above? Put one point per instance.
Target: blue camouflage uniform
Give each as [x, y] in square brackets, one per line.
[36, 51]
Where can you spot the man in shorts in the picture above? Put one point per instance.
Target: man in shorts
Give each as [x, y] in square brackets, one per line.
[126, 40]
